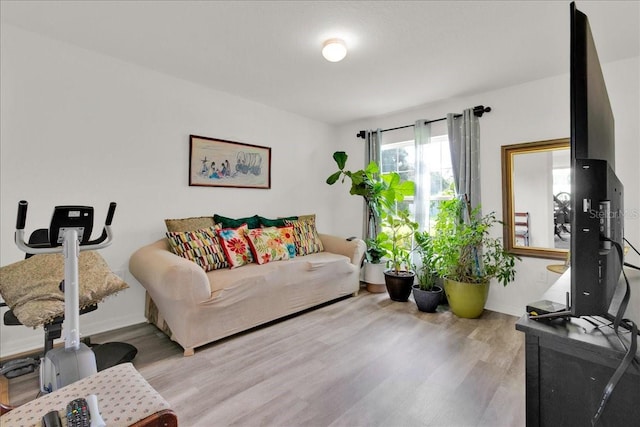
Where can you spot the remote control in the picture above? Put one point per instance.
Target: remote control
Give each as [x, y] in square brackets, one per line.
[96, 418]
[51, 419]
[78, 413]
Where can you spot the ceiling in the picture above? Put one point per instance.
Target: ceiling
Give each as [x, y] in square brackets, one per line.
[401, 54]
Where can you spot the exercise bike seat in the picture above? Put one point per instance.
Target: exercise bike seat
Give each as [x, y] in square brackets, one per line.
[39, 238]
[107, 355]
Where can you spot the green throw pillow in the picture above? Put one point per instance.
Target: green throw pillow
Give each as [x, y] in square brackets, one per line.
[278, 222]
[251, 221]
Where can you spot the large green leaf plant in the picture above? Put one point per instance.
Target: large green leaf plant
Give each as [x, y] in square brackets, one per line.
[464, 249]
[382, 192]
[426, 273]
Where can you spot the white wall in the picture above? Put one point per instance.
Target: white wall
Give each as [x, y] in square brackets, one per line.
[83, 128]
[534, 111]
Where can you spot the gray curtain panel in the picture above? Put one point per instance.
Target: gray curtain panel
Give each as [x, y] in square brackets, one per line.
[373, 139]
[464, 143]
[423, 175]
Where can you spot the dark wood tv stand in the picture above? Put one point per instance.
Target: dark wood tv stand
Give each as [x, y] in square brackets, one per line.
[568, 364]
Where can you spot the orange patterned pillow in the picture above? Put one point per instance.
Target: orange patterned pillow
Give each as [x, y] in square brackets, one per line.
[235, 245]
[271, 244]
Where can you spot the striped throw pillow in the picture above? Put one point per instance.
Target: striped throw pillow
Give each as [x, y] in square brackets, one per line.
[200, 246]
[305, 236]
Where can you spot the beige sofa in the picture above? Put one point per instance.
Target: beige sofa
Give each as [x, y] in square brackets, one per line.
[195, 308]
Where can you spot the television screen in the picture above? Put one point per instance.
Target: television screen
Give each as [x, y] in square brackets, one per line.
[597, 194]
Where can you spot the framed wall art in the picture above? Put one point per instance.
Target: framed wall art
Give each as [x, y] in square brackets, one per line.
[219, 163]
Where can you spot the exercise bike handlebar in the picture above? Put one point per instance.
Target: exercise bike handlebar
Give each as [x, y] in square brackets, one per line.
[107, 226]
[101, 242]
[22, 214]
[112, 211]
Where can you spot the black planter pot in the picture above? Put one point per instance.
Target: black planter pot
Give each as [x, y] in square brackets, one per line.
[427, 300]
[443, 294]
[399, 285]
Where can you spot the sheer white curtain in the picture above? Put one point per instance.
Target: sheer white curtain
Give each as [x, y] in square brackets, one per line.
[422, 178]
[464, 143]
[373, 140]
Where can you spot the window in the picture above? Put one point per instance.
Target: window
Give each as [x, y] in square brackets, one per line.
[400, 157]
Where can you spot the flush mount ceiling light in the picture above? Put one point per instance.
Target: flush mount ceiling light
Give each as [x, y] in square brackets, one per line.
[334, 50]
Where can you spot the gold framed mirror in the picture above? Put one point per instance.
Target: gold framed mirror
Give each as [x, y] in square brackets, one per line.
[536, 196]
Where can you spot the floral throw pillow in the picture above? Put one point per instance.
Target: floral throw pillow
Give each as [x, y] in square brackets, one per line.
[305, 236]
[200, 246]
[235, 245]
[272, 244]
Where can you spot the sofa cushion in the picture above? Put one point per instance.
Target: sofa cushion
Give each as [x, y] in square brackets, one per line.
[234, 285]
[278, 222]
[305, 236]
[235, 245]
[271, 244]
[225, 222]
[189, 224]
[200, 246]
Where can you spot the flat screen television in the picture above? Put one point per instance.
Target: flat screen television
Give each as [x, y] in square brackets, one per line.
[597, 194]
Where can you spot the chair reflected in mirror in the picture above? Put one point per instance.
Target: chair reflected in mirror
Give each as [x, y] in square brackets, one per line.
[562, 220]
[521, 228]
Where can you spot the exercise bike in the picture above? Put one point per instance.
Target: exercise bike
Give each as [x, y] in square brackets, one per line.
[69, 233]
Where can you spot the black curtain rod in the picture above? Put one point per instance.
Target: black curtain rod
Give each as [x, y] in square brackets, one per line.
[478, 111]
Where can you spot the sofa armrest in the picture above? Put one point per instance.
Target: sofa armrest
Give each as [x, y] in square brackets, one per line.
[354, 249]
[167, 275]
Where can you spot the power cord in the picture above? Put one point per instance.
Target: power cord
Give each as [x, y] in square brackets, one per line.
[631, 351]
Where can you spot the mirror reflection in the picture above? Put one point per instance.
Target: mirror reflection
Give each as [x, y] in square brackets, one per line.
[536, 198]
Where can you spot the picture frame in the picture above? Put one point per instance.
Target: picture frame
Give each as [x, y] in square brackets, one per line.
[220, 163]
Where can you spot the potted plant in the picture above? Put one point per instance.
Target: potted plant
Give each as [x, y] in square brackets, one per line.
[365, 182]
[426, 293]
[467, 257]
[373, 269]
[397, 241]
[381, 193]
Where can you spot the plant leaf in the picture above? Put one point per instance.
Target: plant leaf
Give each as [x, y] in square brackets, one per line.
[407, 188]
[341, 159]
[372, 169]
[333, 178]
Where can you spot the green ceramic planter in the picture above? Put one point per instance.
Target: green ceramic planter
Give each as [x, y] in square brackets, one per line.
[466, 299]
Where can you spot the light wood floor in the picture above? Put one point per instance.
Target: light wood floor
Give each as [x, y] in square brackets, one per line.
[363, 361]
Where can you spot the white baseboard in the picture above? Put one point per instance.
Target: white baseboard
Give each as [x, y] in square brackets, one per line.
[34, 339]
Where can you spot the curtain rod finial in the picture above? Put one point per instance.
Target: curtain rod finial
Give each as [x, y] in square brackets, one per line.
[362, 134]
[479, 110]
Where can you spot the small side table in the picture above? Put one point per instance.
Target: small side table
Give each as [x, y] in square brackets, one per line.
[125, 398]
